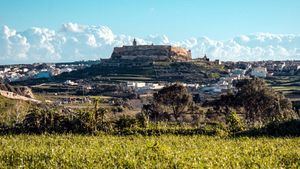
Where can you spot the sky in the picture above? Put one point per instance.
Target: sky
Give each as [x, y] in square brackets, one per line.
[178, 20]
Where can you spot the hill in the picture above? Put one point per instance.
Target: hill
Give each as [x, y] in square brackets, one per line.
[145, 70]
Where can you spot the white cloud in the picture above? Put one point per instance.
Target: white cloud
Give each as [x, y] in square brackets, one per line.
[260, 46]
[73, 27]
[76, 42]
[156, 39]
[13, 46]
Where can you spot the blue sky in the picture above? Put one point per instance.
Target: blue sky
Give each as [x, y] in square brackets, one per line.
[69, 30]
[178, 19]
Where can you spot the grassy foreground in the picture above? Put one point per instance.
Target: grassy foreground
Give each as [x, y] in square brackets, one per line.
[167, 151]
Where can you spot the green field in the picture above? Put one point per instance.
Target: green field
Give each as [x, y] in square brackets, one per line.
[286, 88]
[167, 151]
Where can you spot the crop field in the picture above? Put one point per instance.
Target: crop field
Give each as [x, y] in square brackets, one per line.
[167, 151]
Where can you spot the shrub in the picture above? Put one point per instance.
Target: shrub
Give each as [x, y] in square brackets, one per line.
[275, 129]
[234, 123]
[142, 119]
[117, 109]
[288, 128]
[125, 122]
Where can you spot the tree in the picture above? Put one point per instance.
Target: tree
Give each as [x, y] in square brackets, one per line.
[261, 103]
[152, 111]
[99, 115]
[41, 120]
[256, 102]
[174, 100]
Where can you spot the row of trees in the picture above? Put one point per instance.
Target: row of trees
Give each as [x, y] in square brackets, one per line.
[253, 104]
[257, 103]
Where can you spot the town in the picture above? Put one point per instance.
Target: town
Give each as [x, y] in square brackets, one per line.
[113, 78]
[21, 72]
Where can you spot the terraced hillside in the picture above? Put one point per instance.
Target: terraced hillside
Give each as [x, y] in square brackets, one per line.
[289, 86]
[147, 71]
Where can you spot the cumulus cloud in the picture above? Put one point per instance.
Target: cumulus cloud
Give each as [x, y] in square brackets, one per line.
[13, 46]
[260, 46]
[83, 42]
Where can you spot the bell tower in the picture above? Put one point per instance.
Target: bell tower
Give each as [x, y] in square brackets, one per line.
[134, 43]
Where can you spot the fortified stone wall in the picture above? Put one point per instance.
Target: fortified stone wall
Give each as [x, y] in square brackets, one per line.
[155, 52]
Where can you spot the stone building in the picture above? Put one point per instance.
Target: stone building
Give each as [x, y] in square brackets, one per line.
[151, 52]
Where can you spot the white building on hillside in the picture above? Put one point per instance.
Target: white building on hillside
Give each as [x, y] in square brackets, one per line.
[259, 72]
